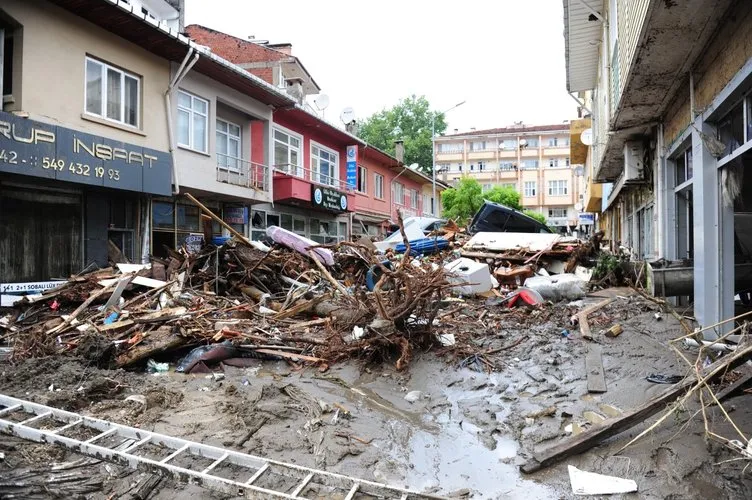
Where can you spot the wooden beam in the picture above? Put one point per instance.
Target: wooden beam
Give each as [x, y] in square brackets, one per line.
[596, 378]
[589, 439]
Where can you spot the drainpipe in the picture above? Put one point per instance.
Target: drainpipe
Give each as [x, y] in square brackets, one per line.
[182, 71]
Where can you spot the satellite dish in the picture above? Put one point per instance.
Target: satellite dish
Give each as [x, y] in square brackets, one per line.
[414, 166]
[587, 137]
[579, 171]
[523, 143]
[347, 115]
[578, 206]
[321, 101]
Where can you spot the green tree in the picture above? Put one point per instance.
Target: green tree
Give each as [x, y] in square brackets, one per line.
[408, 121]
[464, 200]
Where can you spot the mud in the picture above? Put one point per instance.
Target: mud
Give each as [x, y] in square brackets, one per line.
[466, 433]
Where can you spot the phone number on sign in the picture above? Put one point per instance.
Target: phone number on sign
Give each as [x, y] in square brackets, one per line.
[80, 168]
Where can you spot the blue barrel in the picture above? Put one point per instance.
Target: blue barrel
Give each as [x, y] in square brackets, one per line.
[424, 246]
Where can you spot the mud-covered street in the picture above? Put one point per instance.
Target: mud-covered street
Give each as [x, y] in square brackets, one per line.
[435, 427]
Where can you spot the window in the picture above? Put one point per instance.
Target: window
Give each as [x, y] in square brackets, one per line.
[557, 212]
[175, 225]
[557, 188]
[684, 167]
[487, 187]
[287, 153]
[509, 144]
[510, 185]
[553, 162]
[553, 142]
[529, 164]
[472, 167]
[459, 167]
[532, 142]
[448, 147]
[481, 165]
[193, 120]
[112, 93]
[399, 193]
[731, 128]
[228, 145]
[7, 40]
[414, 198]
[506, 165]
[529, 189]
[362, 178]
[427, 205]
[378, 186]
[558, 162]
[566, 161]
[324, 165]
[478, 146]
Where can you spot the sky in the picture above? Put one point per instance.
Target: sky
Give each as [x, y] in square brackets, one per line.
[505, 58]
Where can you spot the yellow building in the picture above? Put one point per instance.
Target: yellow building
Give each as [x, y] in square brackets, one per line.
[534, 160]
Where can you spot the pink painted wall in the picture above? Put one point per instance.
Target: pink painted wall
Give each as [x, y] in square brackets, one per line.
[257, 142]
[370, 203]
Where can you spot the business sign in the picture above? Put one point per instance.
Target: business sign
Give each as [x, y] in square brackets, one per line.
[28, 147]
[25, 288]
[352, 166]
[586, 219]
[235, 215]
[330, 199]
[193, 242]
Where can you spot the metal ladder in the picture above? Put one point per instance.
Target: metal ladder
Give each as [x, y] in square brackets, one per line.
[262, 478]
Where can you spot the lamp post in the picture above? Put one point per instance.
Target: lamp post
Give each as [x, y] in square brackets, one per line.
[433, 155]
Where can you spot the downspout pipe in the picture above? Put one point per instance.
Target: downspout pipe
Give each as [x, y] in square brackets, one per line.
[182, 71]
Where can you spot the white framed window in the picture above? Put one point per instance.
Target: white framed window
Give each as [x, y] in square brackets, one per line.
[362, 185]
[193, 122]
[553, 142]
[557, 188]
[378, 186]
[566, 161]
[287, 152]
[557, 212]
[481, 165]
[427, 205]
[506, 165]
[228, 145]
[532, 142]
[414, 198]
[324, 165]
[553, 162]
[112, 93]
[529, 189]
[478, 146]
[529, 164]
[508, 144]
[399, 193]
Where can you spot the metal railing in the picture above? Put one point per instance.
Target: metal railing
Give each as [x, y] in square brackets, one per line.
[307, 174]
[240, 172]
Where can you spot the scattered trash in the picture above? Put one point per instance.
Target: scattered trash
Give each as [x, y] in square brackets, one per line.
[591, 483]
[525, 296]
[111, 318]
[138, 398]
[207, 353]
[447, 339]
[614, 331]
[413, 396]
[154, 367]
[716, 346]
[664, 379]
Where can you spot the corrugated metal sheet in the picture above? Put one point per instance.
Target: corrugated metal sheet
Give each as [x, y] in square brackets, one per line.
[631, 15]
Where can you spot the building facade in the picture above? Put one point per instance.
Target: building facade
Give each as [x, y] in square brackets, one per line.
[533, 160]
[670, 117]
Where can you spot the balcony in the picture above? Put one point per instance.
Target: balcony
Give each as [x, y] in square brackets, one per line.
[239, 172]
[294, 184]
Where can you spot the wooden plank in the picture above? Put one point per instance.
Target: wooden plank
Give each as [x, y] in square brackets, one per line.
[743, 380]
[290, 355]
[596, 378]
[591, 438]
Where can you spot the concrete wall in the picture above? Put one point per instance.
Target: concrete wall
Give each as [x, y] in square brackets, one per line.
[55, 45]
[198, 170]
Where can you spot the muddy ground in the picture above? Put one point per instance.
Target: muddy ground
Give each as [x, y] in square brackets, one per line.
[464, 433]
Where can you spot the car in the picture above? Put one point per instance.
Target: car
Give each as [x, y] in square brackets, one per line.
[497, 218]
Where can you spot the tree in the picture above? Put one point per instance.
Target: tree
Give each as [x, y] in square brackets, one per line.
[408, 121]
[464, 200]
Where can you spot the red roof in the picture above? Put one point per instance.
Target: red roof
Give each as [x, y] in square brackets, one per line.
[235, 50]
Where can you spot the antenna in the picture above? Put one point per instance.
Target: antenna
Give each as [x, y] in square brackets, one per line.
[347, 116]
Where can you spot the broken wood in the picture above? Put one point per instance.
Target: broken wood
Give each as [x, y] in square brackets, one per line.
[94, 296]
[582, 317]
[157, 342]
[596, 378]
[290, 355]
[253, 429]
[219, 220]
[588, 439]
[735, 386]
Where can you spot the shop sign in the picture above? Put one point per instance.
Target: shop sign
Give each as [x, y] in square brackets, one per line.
[34, 287]
[235, 215]
[586, 219]
[352, 167]
[330, 199]
[29, 147]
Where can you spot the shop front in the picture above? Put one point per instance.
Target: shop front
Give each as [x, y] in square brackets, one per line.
[71, 200]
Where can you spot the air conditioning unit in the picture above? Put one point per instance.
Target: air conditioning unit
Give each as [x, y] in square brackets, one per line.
[634, 168]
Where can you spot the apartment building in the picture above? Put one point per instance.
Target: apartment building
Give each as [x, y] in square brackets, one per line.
[670, 134]
[532, 159]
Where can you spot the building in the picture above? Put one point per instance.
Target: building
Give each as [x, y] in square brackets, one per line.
[94, 163]
[670, 116]
[534, 160]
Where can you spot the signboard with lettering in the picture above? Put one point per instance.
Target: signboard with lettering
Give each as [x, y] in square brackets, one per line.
[352, 166]
[328, 198]
[24, 288]
[586, 219]
[235, 215]
[193, 242]
[29, 147]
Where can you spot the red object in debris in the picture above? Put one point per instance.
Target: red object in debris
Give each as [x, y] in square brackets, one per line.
[55, 305]
[527, 296]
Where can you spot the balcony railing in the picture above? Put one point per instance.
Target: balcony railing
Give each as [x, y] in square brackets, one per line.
[312, 176]
[239, 172]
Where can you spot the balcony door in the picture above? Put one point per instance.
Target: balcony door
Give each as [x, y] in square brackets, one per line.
[228, 145]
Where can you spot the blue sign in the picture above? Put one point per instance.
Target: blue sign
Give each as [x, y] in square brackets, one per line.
[352, 166]
[587, 219]
[235, 215]
[29, 147]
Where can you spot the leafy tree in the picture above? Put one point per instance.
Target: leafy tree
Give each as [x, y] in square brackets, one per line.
[408, 121]
[464, 200]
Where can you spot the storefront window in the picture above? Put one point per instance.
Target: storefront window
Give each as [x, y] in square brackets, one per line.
[121, 223]
[298, 225]
[287, 222]
[163, 215]
[178, 225]
[272, 220]
[188, 218]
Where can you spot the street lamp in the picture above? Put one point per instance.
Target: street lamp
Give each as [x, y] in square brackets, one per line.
[433, 154]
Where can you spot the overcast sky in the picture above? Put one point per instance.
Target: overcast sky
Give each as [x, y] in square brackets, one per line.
[504, 57]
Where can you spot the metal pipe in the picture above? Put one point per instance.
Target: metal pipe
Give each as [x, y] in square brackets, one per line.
[183, 70]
